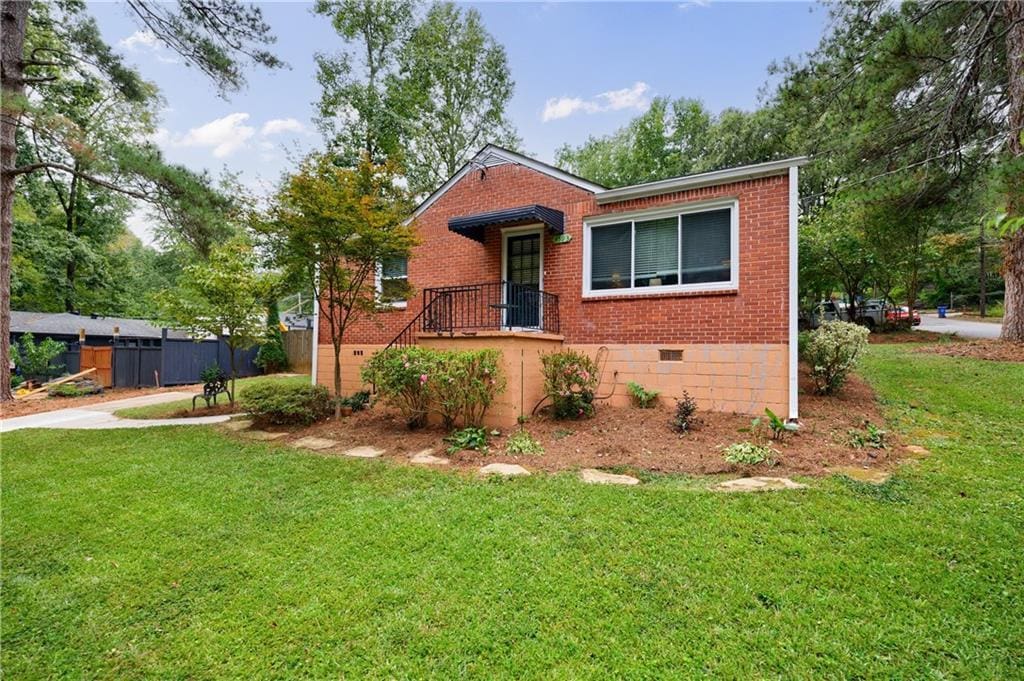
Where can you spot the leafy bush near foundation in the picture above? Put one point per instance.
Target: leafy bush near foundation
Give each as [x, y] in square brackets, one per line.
[473, 437]
[833, 351]
[458, 385]
[642, 398]
[686, 409]
[570, 379]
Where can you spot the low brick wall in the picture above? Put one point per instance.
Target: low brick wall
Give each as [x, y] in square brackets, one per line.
[740, 378]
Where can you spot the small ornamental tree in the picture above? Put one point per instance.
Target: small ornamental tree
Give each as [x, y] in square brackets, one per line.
[221, 297]
[833, 350]
[329, 227]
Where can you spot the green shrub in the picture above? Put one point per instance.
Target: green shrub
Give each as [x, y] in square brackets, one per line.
[458, 385]
[570, 379]
[644, 399]
[686, 409]
[66, 390]
[16, 380]
[400, 376]
[271, 357]
[521, 442]
[802, 339]
[473, 437]
[833, 351]
[357, 401]
[464, 384]
[749, 454]
[35, 360]
[286, 404]
[212, 373]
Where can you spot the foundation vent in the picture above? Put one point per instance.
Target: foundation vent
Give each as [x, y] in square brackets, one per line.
[671, 355]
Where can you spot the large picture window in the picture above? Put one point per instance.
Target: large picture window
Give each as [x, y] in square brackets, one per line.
[692, 249]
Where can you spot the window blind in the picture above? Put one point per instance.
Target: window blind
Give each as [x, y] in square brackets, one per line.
[706, 246]
[610, 254]
[656, 255]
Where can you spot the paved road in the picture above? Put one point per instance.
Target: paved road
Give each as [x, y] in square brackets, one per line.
[101, 415]
[961, 327]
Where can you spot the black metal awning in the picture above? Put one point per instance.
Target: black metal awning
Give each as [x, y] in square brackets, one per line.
[473, 226]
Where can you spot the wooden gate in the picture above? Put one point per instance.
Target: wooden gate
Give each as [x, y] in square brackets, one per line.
[101, 357]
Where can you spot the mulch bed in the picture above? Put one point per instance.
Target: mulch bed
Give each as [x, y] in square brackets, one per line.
[993, 350]
[641, 439]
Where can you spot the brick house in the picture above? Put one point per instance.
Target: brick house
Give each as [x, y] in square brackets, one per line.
[682, 284]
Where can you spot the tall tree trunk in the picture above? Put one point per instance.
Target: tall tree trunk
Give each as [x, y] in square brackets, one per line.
[13, 22]
[1013, 259]
[72, 227]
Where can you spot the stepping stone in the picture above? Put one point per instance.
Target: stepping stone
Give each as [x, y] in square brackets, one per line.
[364, 452]
[874, 476]
[757, 484]
[917, 450]
[506, 469]
[263, 435]
[427, 458]
[596, 477]
[238, 424]
[314, 443]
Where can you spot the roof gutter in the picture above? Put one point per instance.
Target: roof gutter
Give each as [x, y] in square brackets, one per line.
[678, 184]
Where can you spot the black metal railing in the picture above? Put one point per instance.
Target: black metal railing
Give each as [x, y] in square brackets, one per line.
[502, 305]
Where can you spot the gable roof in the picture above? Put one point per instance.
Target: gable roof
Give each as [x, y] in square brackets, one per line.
[66, 324]
[492, 155]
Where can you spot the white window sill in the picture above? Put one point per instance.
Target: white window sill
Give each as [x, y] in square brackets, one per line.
[646, 291]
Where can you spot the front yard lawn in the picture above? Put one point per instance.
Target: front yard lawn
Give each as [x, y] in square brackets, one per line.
[183, 552]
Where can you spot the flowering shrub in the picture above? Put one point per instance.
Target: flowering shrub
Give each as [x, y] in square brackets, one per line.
[400, 376]
[570, 379]
[832, 351]
[460, 386]
[464, 385]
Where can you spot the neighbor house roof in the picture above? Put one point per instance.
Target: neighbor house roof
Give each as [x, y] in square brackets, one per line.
[67, 324]
[493, 155]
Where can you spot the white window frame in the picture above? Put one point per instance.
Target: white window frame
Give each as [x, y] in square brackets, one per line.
[732, 284]
[379, 285]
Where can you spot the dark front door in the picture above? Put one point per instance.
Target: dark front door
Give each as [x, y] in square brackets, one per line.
[522, 272]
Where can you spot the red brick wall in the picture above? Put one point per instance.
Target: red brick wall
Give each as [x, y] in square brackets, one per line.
[755, 313]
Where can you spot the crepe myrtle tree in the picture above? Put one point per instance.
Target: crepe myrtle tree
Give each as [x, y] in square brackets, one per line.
[223, 296]
[329, 227]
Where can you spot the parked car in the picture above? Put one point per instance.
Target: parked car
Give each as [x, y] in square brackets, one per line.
[900, 313]
[870, 313]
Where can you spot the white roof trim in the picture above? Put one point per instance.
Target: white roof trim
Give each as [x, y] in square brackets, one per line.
[713, 177]
[487, 156]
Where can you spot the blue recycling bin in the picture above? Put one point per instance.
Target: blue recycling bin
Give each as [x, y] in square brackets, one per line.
[942, 311]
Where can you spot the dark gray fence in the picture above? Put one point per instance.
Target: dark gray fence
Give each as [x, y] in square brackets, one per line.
[136, 366]
[183, 360]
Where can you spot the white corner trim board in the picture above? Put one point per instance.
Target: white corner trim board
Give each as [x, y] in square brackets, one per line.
[794, 313]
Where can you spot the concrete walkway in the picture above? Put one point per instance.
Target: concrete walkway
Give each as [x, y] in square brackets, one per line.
[101, 416]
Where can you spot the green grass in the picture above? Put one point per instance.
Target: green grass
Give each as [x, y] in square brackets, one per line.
[169, 409]
[182, 553]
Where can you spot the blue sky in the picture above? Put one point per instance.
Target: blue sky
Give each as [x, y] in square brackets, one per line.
[580, 69]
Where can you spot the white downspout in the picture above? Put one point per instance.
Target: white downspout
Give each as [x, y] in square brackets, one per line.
[794, 313]
[316, 329]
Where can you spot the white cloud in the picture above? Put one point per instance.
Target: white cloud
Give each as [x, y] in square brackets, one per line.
[276, 126]
[690, 4]
[223, 135]
[147, 40]
[634, 97]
